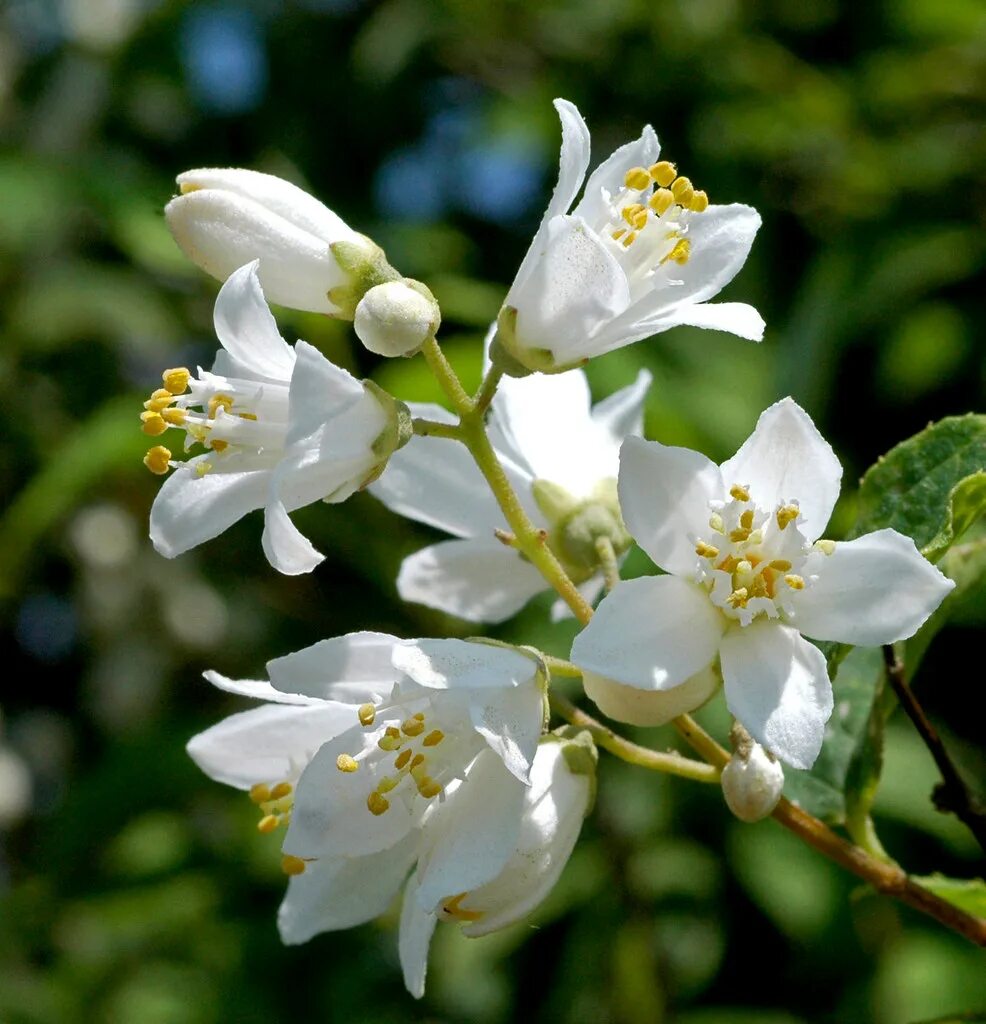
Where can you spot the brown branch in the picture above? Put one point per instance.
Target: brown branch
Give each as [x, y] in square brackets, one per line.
[951, 794]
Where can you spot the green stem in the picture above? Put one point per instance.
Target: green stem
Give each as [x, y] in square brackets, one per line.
[670, 762]
[608, 562]
[432, 428]
[446, 377]
[487, 389]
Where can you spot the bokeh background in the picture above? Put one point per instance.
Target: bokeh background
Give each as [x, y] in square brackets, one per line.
[135, 891]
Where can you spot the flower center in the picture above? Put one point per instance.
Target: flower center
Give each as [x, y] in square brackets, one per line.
[223, 414]
[751, 561]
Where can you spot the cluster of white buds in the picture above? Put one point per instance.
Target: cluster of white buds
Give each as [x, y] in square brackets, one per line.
[426, 766]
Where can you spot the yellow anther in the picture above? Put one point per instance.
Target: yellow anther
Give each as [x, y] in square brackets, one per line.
[704, 550]
[739, 535]
[629, 239]
[795, 582]
[413, 727]
[281, 790]
[739, 492]
[744, 566]
[787, 514]
[452, 909]
[218, 402]
[728, 563]
[699, 203]
[716, 523]
[386, 784]
[738, 598]
[680, 253]
[158, 459]
[268, 823]
[176, 380]
[758, 588]
[377, 804]
[218, 446]
[619, 233]
[428, 788]
[174, 417]
[292, 865]
[780, 564]
[260, 793]
[367, 713]
[248, 416]
[419, 773]
[631, 211]
[201, 468]
[640, 220]
[402, 758]
[433, 738]
[346, 763]
[152, 423]
[391, 739]
[681, 188]
[637, 178]
[419, 760]
[663, 172]
[827, 547]
[746, 519]
[159, 400]
[661, 201]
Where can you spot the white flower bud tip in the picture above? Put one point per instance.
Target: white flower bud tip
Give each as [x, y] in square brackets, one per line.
[396, 318]
[752, 784]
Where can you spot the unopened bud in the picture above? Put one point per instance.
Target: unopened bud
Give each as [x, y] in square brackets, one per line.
[396, 318]
[752, 783]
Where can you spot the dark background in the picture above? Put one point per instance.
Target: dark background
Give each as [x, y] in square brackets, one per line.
[135, 891]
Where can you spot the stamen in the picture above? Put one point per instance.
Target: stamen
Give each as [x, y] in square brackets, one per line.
[292, 865]
[661, 201]
[152, 423]
[218, 446]
[433, 738]
[738, 598]
[260, 793]
[158, 459]
[827, 547]
[739, 535]
[377, 804]
[795, 582]
[637, 178]
[699, 203]
[346, 763]
[419, 760]
[744, 566]
[629, 239]
[619, 233]
[428, 788]
[268, 823]
[780, 564]
[218, 402]
[402, 758]
[386, 784]
[176, 380]
[630, 213]
[367, 713]
[413, 727]
[391, 739]
[716, 523]
[682, 190]
[159, 400]
[739, 492]
[704, 550]
[759, 588]
[282, 789]
[680, 253]
[746, 519]
[663, 172]
[174, 417]
[787, 514]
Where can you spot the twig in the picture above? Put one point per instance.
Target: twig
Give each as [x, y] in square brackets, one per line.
[951, 794]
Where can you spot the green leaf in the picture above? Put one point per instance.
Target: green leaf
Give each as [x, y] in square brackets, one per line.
[968, 894]
[931, 487]
[822, 789]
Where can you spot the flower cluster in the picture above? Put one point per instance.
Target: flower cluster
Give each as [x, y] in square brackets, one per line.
[426, 767]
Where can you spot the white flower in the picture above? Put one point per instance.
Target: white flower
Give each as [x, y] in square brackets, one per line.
[225, 217]
[383, 753]
[550, 819]
[747, 576]
[640, 253]
[396, 318]
[282, 427]
[562, 457]
[752, 783]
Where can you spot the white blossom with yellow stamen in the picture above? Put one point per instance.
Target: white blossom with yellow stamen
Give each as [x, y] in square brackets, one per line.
[641, 252]
[747, 577]
[282, 427]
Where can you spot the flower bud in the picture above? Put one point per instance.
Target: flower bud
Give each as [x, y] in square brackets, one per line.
[225, 218]
[396, 318]
[752, 782]
[625, 703]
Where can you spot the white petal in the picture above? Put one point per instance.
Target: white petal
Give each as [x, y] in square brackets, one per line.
[342, 892]
[777, 685]
[416, 929]
[287, 549]
[472, 835]
[622, 414]
[266, 744]
[652, 633]
[510, 721]
[735, 317]
[476, 579]
[463, 665]
[611, 173]
[664, 496]
[320, 390]
[246, 328]
[190, 509]
[259, 689]
[785, 459]
[279, 196]
[575, 285]
[435, 481]
[874, 590]
[650, 707]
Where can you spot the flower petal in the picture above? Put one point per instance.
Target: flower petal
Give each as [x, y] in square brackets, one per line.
[622, 413]
[785, 459]
[609, 176]
[246, 329]
[342, 892]
[664, 495]
[650, 707]
[511, 721]
[320, 390]
[777, 685]
[874, 590]
[735, 317]
[259, 689]
[652, 633]
[476, 579]
[472, 835]
[287, 549]
[265, 743]
[416, 929]
[464, 664]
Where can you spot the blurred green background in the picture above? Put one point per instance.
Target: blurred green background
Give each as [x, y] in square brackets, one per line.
[135, 891]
